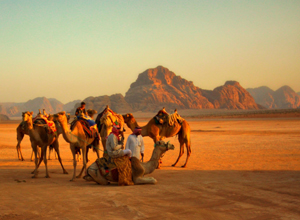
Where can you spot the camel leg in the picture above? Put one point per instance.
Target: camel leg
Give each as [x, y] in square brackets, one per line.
[181, 152]
[49, 154]
[44, 153]
[38, 152]
[84, 162]
[20, 137]
[34, 148]
[189, 151]
[56, 147]
[94, 172]
[144, 180]
[40, 161]
[74, 162]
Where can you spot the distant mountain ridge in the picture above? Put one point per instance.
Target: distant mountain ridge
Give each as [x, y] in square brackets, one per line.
[51, 106]
[283, 98]
[159, 87]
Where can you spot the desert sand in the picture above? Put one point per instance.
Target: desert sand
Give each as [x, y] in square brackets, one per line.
[240, 168]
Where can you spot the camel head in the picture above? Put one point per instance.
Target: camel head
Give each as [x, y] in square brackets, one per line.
[128, 118]
[61, 116]
[27, 115]
[91, 112]
[164, 146]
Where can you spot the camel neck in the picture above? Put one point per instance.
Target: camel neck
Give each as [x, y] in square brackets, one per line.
[66, 132]
[151, 165]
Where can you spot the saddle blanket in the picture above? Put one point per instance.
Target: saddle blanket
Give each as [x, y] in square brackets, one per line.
[43, 118]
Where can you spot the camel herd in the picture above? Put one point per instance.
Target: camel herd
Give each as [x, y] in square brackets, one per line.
[158, 128]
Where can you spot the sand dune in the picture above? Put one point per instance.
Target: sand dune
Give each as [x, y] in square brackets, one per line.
[240, 168]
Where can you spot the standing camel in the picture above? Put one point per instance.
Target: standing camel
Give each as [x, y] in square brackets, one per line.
[107, 119]
[22, 130]
[77, 139]
[40, 137]
[158, 132]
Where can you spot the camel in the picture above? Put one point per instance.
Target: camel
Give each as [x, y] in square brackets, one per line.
[90, 113]
[77, 139]
[39, 136]
[22, 130]
[107, 119]
[139, 169]
[160, 131]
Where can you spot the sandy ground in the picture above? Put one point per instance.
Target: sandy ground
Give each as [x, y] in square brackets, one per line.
[239, 169]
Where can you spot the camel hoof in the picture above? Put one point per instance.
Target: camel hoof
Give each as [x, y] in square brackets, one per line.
[173, 165]
[47, 176]
[78, 177]
[71, 180]
[65, 172]
[33, 177]
[184, 166]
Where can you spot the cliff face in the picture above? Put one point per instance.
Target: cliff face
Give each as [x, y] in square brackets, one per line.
[231, 96]
[160, 87]
[284, 97]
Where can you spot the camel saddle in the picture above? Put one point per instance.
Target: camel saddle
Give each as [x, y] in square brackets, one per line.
[49, 125]
[90, 133]
[117, 169]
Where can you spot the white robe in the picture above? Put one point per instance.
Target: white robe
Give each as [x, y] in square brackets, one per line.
[136, 145]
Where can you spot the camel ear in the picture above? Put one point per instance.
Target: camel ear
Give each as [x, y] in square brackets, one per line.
[31, 113]
[127, 115]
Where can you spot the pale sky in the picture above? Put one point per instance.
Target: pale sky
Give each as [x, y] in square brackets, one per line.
[74, 49]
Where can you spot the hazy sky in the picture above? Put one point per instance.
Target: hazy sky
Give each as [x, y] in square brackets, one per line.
[74, 49]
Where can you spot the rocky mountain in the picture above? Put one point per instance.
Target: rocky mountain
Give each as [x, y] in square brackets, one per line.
[51, 106]
[3, 117]
[70, 105]
[282, 98]
[158, 87]
[116, 102]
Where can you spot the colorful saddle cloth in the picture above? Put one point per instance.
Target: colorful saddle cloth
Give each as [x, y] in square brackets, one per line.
[90, 133]
[44, 119]
[90, 121]
[116, 169]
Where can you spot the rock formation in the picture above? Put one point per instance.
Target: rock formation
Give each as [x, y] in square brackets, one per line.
[116, 102]
[3, 117]
[160, 87]
[282, 98]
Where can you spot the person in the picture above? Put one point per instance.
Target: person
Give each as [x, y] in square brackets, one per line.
[115, 142]
[135, 143]
[80, 109]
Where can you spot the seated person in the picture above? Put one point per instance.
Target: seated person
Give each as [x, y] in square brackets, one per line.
[81, 114]
[115, 144]
[80, 109]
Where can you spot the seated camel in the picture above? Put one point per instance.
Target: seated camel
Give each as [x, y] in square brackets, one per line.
[139, 169]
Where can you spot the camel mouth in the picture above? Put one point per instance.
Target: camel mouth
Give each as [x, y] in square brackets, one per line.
[171, 147]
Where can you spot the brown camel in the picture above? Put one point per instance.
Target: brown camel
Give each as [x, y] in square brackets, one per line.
[139, 169]
[105, 121]
[77, 139]
[22, 130]
[40, 137]
[158, 132]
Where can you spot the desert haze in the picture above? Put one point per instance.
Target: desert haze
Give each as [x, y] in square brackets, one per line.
[241, 167]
